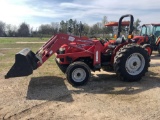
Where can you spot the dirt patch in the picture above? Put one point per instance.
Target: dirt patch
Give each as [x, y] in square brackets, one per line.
[1, 54]
[47, 95]
[155, 60]
[104, 97]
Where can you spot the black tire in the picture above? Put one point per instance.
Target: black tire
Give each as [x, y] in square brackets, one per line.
[158, 48]
[63, 68]
[78, 73]
[131, 62]
[149, 48]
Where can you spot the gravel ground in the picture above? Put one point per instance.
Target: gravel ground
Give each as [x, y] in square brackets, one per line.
[103, 98]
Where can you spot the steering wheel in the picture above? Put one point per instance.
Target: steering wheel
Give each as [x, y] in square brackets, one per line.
[102, 41]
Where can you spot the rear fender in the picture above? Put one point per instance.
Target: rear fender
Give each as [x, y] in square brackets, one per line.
[140, 39]
[115, 51]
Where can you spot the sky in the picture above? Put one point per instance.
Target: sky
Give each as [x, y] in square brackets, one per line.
[37, 12]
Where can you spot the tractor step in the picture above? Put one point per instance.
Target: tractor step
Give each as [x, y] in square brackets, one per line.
[25, 63]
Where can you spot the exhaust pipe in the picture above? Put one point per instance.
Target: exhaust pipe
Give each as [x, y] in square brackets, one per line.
[25, 63]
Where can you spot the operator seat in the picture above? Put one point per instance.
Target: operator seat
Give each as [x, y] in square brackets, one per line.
[118, 41]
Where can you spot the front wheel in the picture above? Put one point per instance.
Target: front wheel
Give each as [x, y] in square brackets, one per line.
[131, 62]
[78, 73]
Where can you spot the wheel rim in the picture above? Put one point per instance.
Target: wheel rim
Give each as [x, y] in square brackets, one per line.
[78, 75]
[135, 64]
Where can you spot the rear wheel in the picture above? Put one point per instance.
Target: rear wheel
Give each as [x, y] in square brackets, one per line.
[78, 73]
[131, 62]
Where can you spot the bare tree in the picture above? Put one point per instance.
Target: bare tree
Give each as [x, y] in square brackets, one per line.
[11, 30]
[23, 30]
[137, 26]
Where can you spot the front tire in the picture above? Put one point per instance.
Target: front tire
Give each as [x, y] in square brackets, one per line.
[78, 73]
[131, 62]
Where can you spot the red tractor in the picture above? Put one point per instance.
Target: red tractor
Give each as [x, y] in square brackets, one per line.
[143, 39]
[150, 34]
[77, 56]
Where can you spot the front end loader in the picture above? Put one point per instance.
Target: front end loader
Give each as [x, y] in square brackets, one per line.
[25, 63]
[78, 56]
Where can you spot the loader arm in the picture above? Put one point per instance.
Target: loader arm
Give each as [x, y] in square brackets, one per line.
[26, 61]
[51, 47]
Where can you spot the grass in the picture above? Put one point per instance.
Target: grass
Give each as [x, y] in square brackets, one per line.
[13, 40]
[9, 47]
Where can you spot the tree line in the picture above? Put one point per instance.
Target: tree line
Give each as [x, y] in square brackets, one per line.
[70, 26]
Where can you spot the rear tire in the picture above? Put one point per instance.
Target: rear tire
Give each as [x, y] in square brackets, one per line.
[131, 62]
[78, 73]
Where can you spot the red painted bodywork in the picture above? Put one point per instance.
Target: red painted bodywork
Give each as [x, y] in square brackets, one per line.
[75, 47]
[140, 39]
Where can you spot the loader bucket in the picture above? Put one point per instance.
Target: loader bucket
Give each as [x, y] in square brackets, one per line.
[25, 63]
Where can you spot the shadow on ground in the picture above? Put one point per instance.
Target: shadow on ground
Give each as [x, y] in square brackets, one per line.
[104, 84]
[54, 88]
[48, 88]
